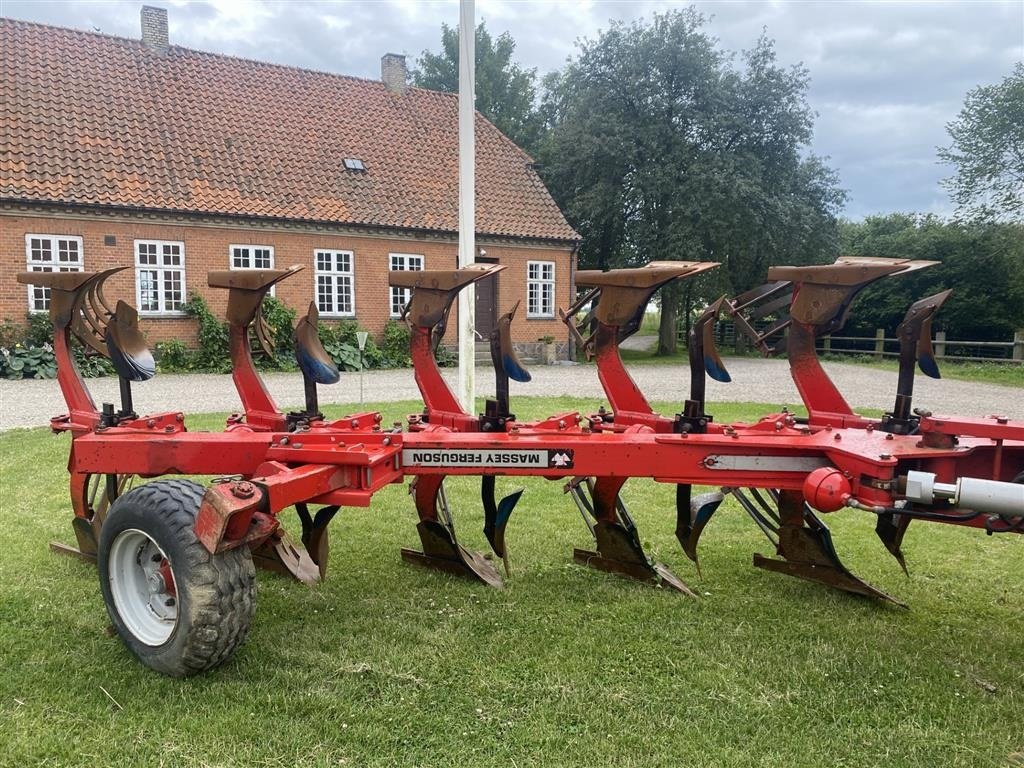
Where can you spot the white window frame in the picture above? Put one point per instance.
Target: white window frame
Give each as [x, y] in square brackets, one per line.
[249, 255]
[162, 269]
[336, 277]
[535, 301]
[250, 258]
[53, 264]
[402, 262]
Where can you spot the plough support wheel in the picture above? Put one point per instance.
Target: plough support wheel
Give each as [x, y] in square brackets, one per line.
[180, 609]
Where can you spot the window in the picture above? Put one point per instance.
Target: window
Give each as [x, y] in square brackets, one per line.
[159, 276]
[335, 294]
[540, 289]
[50, 253]
[354, 164]
[252, 256]
[400, 296]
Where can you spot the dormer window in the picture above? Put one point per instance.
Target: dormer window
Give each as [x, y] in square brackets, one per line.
[354, 164]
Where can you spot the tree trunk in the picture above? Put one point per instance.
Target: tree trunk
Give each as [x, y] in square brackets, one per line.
[667, 336]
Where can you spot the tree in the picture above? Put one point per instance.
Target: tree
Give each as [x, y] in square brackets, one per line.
[505, 93]
[988, 151]
[982, 262]
[659, 148]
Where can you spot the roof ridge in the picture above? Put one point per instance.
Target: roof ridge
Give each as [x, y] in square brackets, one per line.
[139, 44]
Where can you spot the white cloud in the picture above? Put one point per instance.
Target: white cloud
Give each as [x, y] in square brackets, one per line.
[885, 76]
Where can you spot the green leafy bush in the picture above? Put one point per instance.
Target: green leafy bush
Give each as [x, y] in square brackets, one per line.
[173, 356]
[21, 362]
[446, 357]
[395, 345]
[280, 318]
[341, 343]
[91, 366]
[26, 352]
[213, 355]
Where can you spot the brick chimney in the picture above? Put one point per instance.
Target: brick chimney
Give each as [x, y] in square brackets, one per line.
[393, 72]
[154, 28]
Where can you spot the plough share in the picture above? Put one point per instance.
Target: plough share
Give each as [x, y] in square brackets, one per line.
[176, 559]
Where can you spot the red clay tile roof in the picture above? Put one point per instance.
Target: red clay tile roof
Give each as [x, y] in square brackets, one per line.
[97, 120]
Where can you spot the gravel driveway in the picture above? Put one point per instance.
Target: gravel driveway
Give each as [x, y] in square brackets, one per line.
[31, 403]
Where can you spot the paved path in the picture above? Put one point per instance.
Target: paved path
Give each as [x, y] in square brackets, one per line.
[31, 403]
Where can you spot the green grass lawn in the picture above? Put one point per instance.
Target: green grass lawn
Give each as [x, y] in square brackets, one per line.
[387, 664]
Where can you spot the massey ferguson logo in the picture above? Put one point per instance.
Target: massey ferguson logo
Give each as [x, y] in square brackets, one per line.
[560, 458]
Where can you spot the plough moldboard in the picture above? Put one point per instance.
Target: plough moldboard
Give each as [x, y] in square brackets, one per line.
[176, 558]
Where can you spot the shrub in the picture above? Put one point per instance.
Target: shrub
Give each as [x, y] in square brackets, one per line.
[26, 352]
[21, 362]
[445, 357]
[280, 319]
[213, 354]
[395, 345]
[341, 343]
[173, 356]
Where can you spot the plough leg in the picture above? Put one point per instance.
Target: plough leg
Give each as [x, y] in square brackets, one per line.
[805, 544]
[693, 513]
[891, 528]
[97, 493]
[441, 550]
[618, 543]
[314, 533]
[283, 555]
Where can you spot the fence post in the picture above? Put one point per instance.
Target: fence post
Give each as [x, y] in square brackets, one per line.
[879, 342]
[828, 345]
[940, 344]
[1018, 345]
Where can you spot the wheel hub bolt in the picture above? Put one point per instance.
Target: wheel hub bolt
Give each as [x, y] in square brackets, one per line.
[243, 490]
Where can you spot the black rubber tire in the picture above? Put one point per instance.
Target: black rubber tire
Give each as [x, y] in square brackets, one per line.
[216, 594]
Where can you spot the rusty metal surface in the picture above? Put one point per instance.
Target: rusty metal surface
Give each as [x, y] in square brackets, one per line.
[442, 552]
[626, 292]
[805, 544]
[247, 287]
[434, 290]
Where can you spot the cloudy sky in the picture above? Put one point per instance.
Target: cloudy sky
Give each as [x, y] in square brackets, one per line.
[885, 76]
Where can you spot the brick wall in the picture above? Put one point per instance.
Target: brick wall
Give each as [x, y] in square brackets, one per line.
[207, 248]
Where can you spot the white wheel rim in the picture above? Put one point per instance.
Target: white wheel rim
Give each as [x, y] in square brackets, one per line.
[142, 586]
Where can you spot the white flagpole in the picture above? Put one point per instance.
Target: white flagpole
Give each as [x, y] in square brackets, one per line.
[467, 201]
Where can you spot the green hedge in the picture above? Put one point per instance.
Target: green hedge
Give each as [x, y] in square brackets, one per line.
[26, 351]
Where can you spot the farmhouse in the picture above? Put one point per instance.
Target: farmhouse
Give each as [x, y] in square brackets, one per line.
[173, 162]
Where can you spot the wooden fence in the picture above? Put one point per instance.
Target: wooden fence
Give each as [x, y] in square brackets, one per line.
[881, 346]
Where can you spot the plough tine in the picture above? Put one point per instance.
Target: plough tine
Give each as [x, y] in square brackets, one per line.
[441, 550]
[314, 533]
[915, 335]
[283, 555]
[582, 500]
[693, 513]
[496, 516]
[618, 545]
[771, 510]
[805, 544]
[770, 530]
[891, 529]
